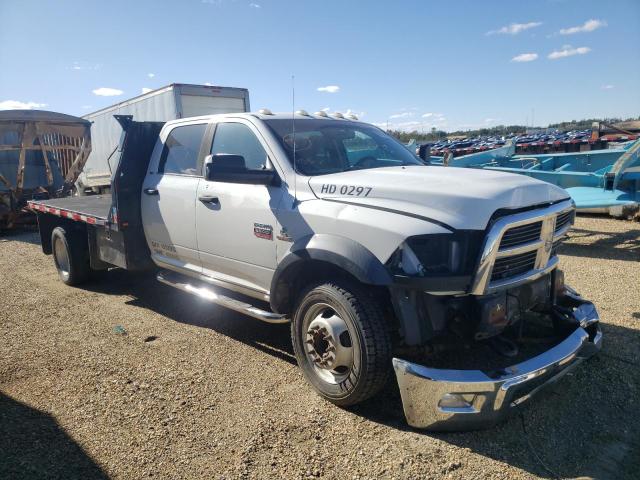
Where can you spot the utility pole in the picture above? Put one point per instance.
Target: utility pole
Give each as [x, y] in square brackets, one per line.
[533, 111]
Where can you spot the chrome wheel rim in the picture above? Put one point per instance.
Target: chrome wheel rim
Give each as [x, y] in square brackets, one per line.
[61, 256]
[328, 344]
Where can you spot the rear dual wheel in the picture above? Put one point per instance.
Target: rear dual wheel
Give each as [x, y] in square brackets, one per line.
[341, 341]
[70, 255]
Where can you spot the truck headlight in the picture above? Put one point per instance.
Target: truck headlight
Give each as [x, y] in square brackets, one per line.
[437, 254]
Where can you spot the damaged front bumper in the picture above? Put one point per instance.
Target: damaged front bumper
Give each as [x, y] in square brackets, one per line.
[454, 400]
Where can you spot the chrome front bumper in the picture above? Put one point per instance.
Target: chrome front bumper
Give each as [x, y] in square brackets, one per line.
[454, 400]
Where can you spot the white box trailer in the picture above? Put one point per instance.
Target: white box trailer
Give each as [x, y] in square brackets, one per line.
[174, 101]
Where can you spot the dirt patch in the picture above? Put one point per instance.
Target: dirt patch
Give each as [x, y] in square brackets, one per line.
[195, 391]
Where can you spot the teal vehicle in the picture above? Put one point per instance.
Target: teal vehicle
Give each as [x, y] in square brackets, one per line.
[597, 180]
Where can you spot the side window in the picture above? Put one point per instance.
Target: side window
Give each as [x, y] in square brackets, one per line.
[181, 149]
[238, 139]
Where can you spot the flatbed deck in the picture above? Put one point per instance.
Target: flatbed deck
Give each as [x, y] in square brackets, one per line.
[93, 209]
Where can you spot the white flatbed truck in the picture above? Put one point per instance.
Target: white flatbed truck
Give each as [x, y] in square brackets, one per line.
[378, 261]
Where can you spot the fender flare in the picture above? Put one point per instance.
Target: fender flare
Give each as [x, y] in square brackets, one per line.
[341, 252]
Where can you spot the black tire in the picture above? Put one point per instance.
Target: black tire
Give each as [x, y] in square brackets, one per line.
[75, 269]
[368, 336]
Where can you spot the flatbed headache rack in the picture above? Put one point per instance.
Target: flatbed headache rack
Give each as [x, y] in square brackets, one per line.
[112, 223]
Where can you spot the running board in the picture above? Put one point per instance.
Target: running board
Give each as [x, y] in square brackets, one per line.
[186, 284]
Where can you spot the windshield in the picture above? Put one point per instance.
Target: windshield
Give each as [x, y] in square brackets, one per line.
[332, 146]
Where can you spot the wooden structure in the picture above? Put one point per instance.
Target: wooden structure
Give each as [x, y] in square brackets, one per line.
[41, 155]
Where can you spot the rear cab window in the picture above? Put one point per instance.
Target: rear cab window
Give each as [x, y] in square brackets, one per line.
[181, 150]
[232, 138]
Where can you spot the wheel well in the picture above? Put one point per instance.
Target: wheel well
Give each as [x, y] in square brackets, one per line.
[301, 274]
[46, 224]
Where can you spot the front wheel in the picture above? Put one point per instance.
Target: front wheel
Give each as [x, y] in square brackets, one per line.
[342, 342]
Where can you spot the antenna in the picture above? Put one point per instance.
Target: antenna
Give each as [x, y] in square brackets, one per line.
[293, 127]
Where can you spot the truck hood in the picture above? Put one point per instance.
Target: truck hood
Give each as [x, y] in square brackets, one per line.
[461, 198]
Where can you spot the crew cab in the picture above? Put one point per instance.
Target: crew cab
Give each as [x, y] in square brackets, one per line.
[380, 263]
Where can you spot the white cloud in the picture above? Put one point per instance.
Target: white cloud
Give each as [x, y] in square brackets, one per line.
[568, 51]
[146, 89]
[325, 109]
[525, 57]
[437, 121]
[151, 75]
[329, 89]
[208, 84]
[107, 92]
[435, 116]
[17, 105]
[86, 66]
[514, 28]
[254, 5]
[607, 87]
[588, 26]
[401, 115]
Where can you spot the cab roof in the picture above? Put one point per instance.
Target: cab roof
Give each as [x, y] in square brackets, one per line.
[267, 116]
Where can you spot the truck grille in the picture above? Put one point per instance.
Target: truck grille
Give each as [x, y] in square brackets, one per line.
[564, 219]
[522, 234]
[515, 265]
[521, 247]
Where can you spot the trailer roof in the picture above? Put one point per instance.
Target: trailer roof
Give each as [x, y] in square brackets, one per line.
[151, 93]
[39, 116]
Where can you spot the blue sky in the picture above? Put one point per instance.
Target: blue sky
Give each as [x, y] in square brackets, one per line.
[414, 64]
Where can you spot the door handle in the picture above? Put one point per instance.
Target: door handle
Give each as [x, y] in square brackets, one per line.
[151, 191]
[209, 199]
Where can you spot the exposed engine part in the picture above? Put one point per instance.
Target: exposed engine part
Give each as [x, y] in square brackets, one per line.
[503, 346]
[423, 317]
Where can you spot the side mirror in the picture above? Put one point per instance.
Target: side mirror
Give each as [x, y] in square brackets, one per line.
[424, 152]
[232, 169]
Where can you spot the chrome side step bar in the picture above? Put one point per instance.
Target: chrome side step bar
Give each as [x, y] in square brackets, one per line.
[186, 284]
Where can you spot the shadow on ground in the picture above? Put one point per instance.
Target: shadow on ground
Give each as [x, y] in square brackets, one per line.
[184, 308]
[33, 446]
[585, 426]
[610, 245]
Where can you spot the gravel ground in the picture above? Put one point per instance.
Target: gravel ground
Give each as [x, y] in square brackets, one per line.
[195, 391]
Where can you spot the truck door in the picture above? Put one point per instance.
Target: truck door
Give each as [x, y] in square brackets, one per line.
[169, 197]
[236, 232]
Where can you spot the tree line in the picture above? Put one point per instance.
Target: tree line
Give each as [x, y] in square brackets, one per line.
[500, 130]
